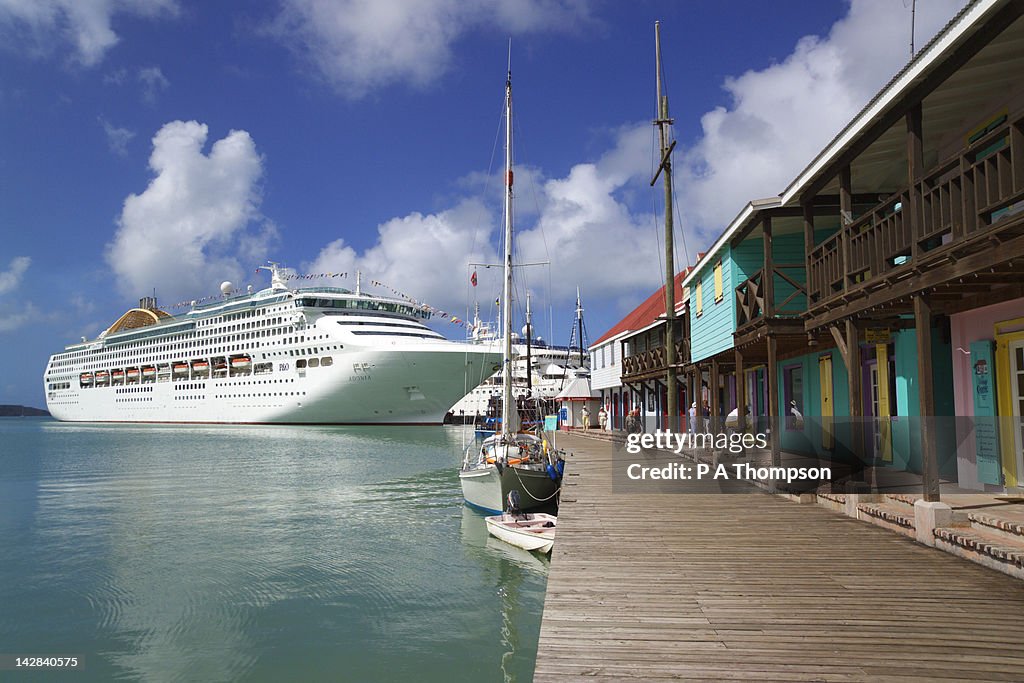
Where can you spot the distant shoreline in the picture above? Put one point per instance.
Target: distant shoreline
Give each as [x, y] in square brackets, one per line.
[22, 411]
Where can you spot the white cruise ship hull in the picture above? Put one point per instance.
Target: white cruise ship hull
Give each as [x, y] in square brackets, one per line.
[276, 357]
[398, 387]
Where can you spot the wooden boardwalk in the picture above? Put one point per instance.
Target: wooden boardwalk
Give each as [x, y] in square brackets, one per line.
[705, 586]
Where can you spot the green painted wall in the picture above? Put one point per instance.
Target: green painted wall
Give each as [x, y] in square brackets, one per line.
[906, 429]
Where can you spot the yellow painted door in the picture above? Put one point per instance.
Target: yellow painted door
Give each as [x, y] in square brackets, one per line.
[882, 413]
[827, 409]
[1010, 392]
[1013, 416]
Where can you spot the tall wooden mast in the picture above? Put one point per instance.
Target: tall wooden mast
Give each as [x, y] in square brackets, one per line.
[663, 122]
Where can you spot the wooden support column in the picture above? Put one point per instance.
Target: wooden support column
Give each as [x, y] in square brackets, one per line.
[808, 208]
[915, 169]
[693, 389]
[845, 196]
[853, 378]
[741, 394]
[926, 397]
[845, 218]
[768, 279]
[713, 387]
[776, 416]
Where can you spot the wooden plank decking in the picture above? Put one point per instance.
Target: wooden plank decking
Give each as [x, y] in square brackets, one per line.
[754, 587]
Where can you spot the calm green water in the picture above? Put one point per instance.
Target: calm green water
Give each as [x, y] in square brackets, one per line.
[171, 553]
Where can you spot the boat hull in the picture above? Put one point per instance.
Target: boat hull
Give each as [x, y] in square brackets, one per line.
[529, 532]
[415, 385]
[485, 489]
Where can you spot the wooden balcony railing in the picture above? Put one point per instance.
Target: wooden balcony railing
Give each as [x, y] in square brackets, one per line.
[652, 361]
[752, 303]
[957, 199]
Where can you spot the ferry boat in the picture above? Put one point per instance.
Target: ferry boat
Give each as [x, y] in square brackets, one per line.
[320, 355]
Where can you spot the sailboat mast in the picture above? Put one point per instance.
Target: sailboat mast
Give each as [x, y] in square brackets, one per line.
[663, 121]
[579, 322]
[529, 340]
[507, 405]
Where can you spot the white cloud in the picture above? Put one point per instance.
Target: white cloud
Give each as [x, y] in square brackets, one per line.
[580, 221]
[15, 314]
[588, 225]
[424, 256]
[11, 278]
[153, 82]
[117, 138]
[358, 45]
[13, 319]
[37, 25]
[781, 116]
[192, 224]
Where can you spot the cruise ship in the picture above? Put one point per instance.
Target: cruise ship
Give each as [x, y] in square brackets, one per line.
[551, 369]
[319, 355]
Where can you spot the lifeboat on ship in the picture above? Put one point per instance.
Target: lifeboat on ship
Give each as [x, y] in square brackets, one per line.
[148, 372]
[241, 363]
[85, 379]
[117, 376]
[180, 368]
[200, 366]
[132, 374]
[102, 378]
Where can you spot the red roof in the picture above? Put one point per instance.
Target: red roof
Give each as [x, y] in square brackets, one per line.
[647, 312]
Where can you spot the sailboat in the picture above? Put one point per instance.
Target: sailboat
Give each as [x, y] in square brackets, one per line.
[510, 459]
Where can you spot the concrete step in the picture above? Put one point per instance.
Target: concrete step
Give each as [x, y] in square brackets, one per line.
[984, 547]
[993, 523]
[902, 499]
[836, 502]
[894, 516]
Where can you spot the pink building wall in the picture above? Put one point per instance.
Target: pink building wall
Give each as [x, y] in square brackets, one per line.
[967, 327]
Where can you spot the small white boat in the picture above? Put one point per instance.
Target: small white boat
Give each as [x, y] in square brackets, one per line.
[533, 531]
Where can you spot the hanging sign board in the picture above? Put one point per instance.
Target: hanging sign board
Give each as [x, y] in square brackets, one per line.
[878, 335]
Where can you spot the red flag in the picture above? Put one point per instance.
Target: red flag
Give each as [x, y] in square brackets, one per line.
[473, 278]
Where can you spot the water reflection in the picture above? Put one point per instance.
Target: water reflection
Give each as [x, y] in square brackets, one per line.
[258, 553]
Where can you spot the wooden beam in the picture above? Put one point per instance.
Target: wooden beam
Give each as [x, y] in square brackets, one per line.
[768, 276]
[775, 415]
[915, 169]
[713, 387]
[845, 196]
[808, 212]
[840, 341]
[853, 382]
[993, 296]
[914, 94]
[852, 360]
[741, 393]
[926, 279]
[926, 397]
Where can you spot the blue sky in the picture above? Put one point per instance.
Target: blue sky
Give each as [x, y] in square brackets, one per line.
[169, 145]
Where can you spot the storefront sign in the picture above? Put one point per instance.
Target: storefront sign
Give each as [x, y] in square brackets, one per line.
[986, 432]
[878, 335]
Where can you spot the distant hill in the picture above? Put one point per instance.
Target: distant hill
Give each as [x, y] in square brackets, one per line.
[18, 411]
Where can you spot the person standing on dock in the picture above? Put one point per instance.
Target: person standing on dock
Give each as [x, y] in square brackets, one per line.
[586, 418]
[602, 418]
